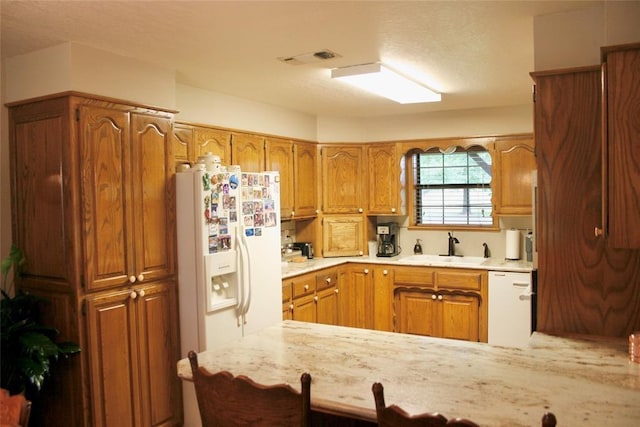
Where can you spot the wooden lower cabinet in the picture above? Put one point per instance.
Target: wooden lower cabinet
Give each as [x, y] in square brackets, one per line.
[441, 302]
[314, 297]
[437, 302]
[355, 299]
[131, 338]
[438, 314]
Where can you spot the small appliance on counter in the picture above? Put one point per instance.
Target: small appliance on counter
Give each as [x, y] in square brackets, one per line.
[305, 247]
[388, 239]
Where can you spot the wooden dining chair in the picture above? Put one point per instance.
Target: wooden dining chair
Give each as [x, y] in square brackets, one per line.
[395, 416]
[225, 400]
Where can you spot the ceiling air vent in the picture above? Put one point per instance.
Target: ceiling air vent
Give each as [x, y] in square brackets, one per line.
[309, 58]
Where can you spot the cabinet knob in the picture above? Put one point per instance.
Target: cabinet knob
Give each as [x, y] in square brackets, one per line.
[439, 297]
[317, 211]
[385, 272]
[132, 279]
[598, 231]
[336, 290]
[328, 279]
[360, 210]
[315, 298]
[141, 293]
[366, 271]
[140, 277]
[291, 307]
[133, 295]
[433, 296]
[306, 287]
[293, 213]
[393, 210]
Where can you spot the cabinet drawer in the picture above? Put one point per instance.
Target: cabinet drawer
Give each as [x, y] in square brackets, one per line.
[459, 279]
[303, 285]
[419, 276]
[326, 280]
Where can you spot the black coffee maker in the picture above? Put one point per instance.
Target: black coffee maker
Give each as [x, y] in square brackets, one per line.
[388, 239]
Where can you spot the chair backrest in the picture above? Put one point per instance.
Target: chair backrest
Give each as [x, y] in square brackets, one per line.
[225, 400]
[14, 410]
[549, 420]
[394, 416]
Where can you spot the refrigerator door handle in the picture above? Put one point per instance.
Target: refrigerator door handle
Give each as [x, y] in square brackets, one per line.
[240, 276]
[246, 276]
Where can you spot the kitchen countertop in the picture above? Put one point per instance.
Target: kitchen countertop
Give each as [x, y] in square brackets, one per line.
[583, 380]
[492, 264]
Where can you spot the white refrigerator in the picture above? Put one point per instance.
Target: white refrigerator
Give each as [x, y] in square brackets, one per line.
[230, 281]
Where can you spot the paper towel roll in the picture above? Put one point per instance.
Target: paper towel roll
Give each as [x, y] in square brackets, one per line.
[513, 244]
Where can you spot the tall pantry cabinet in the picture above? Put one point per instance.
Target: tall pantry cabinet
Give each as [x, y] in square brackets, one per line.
[584, 284]
[93, 212]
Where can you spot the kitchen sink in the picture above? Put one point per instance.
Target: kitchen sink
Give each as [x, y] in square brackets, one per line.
[442, 260]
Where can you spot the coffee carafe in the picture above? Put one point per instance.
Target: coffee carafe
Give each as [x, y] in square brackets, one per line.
[388, 239]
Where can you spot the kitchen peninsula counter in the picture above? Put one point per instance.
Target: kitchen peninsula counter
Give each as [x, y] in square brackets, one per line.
[583, 380]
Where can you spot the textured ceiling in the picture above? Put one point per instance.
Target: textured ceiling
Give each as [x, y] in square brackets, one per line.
[477, 53]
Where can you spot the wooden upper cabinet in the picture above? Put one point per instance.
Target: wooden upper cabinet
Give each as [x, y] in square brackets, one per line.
[212, 140]
[248, 151]
[343, 235]
[182, 143]
[126, 170]
[305, 179]
[621, 141]
[514, 162]
[279, 157]
[384, 181]
[192, 141]
[343, 179]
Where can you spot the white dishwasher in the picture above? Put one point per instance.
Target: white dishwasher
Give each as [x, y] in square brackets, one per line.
[510, 296]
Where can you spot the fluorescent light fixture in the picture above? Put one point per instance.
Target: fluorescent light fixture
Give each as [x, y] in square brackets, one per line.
[380, 80]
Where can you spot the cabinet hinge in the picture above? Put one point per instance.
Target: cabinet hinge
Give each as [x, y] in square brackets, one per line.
[77, 114]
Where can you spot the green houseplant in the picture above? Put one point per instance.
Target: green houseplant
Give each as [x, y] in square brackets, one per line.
[27, 346]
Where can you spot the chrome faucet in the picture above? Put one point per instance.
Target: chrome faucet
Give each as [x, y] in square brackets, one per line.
[452, 245]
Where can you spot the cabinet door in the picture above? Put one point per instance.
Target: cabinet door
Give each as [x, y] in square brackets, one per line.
[157, 349]
[327, 306]
[514, 162]
[153, 197]
[384, 180]
[382, 298]
[459, 315]
[305, 180]
[342, 179]
[622, 146]
[418, 312]
[248, 152]
[343, 235]
[182, 143]
[304, 309]
[211, 140]
[279, 157]
[355, 297]
[114, 361]
[105, 163]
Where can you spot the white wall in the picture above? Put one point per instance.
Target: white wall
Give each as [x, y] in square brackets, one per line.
[573, 39]
[206, 107]
[441, 124]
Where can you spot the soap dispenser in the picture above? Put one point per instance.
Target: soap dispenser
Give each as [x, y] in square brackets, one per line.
[417, 249]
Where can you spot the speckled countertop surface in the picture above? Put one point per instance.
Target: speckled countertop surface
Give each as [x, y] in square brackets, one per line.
[291, 269]
[583, 380]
